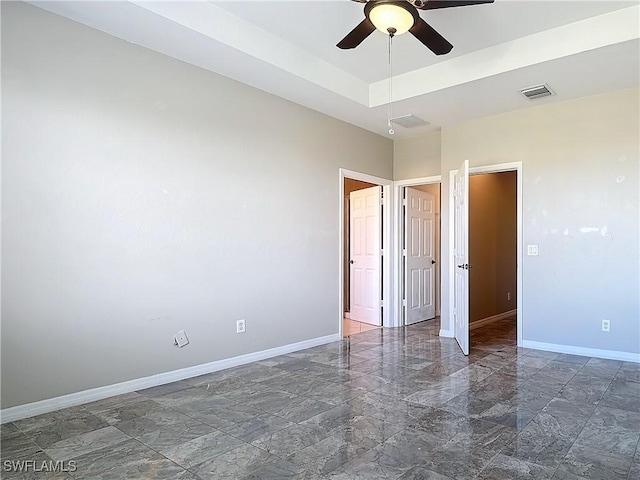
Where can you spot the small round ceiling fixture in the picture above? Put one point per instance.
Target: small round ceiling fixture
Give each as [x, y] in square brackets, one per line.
[393, 18]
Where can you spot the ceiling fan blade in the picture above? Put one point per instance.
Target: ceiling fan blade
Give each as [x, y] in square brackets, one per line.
[432, 39]
[357, 35]
[432, 4]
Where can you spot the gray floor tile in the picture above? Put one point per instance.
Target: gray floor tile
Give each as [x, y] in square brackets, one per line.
[201, 449]
[441, 424]
[18, 447]
[130, 410]
[329, 454]
[331, 419]
[41, 467]
[8, 429]
[217, 416]
[624, 394]
[509, 414]
[503, 467]
[28, 425]
[188, 395]
[483, 436]
[86, 443]
[47, 435]
[458, 462]
[367, 430]
[374, 464]
[299, 409]
[158, 430]
[612, 430]
[130, 459]
[422, 473]
[276, 469]
[237, 463]
[256, 426]
[289, 440]
[592, 464]
[391, 403]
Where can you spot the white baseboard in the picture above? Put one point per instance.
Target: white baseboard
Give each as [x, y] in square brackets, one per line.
[588, 352]
[447, 333]
[78, 398]
[493, 318]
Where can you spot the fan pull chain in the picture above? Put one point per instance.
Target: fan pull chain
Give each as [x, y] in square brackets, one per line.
[389, 105]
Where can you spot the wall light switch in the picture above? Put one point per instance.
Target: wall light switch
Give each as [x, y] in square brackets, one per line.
[532, 250]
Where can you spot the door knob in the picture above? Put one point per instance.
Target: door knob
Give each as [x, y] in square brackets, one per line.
[433, 262]
[352, 262]
[465, 266]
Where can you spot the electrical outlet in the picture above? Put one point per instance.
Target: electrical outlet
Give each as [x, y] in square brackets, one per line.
[532, 250]
[241, 326]
[606, 325]
[508, 296]
[180, 339]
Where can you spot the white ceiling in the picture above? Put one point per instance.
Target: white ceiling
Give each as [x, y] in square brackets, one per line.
[288, 48]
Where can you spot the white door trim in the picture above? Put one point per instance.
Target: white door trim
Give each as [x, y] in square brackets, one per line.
[387, 264]
[398, 185]
[503, 167]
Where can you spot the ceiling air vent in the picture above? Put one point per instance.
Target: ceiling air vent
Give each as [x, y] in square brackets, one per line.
[537, 91]
[409, 121]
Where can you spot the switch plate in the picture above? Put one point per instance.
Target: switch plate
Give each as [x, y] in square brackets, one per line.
[606, 325]
[532, 250]
[508, 296]
[241, 326]
[180, 339]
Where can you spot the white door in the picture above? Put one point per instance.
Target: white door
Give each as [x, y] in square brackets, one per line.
[365, 259]
[461, 256]
[419, 256]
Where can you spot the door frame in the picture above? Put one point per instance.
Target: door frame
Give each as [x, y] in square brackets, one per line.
[398, 187]
[503, 167]
[387, 264]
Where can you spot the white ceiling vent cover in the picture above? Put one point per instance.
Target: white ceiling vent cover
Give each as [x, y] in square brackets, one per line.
[537, 91]
[409, 121]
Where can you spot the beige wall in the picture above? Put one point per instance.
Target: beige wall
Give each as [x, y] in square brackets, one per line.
[350, 185]
[492, 244]
[141, 196]
[580, 206]
[581, 176]
[416, 157]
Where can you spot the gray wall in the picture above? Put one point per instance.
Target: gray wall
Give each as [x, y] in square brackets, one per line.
[142, 196]
[580, 199]
[417, 157]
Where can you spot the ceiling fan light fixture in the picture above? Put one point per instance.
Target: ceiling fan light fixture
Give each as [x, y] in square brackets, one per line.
[391, 17]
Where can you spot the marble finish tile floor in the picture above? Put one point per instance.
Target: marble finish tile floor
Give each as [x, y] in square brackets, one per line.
[381, 404]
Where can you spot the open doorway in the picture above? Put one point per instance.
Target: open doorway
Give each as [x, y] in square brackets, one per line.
[353, 322]
[418, 253]
[493, 255]
[373, 300]
[458, 258]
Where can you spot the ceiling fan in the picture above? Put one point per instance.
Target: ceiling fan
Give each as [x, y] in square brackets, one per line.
[395, 17]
